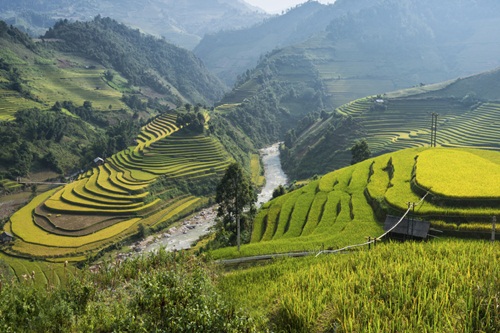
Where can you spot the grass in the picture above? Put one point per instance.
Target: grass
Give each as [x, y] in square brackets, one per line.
[341, 208]
[257, 174]
[441, 286]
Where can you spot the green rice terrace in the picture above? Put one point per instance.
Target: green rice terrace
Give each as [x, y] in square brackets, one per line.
[390, 124]
[109, 202]
[348, 205]
[66, 78]
[458, 126]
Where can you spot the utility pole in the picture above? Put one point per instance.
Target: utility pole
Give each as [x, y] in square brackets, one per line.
[434, 129]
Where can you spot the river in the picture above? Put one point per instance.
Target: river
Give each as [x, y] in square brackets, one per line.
[190, 230]
[274, 174]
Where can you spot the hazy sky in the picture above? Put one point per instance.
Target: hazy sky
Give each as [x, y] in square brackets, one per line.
[276, 6]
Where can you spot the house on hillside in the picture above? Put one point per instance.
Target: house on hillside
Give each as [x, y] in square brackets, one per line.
[6, 237]
[98, 161]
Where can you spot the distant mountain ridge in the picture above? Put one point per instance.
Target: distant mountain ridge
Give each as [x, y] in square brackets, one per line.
[429, 41]
[374, 47]
[230, 53]
[181, 22]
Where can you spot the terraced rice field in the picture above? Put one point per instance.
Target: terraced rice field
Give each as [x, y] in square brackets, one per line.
[77, 84]
[109, 202]
[9, 185]
[11, 102]
[340, 208]
[41, 273]
[406, 123]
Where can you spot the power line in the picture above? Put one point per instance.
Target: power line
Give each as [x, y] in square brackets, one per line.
[308, 253]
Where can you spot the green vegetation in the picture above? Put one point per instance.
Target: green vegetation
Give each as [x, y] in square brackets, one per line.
[143, 60]
[163, 293]
[390, 124]
[74, 98]
[440, 286]
[150, 185]
[236, 198]
[348, 205]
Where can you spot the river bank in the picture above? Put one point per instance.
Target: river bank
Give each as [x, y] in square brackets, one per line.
[181, 236]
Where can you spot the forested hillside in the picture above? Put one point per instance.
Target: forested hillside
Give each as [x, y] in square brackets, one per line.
[181, 22]
[84, 90]
[143, 60]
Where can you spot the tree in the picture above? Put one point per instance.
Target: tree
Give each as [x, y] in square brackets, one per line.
[360, 152]
[108, 75]
[279, 191]
[234, 194]
[87, 105]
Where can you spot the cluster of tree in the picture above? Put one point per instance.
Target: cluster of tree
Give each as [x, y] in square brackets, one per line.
[51, 139]
[29, 138]
[116, 137]
[135, 102]
[14, 79]
[138, 57]
[165, 292]
[16, 35]
[192, 121]
[360, 152]
[38, 125]
[234, 141]
[86, 112]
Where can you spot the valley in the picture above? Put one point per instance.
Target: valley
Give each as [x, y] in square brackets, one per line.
[356, 158]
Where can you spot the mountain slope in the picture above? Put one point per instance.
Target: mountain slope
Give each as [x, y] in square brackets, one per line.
[378, 47]
[142, 59]
[230, 53]
[345, 206]
[469, 115]
[65, 103]
[181, 22]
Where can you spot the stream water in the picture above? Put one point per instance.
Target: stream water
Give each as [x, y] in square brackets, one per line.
[190, 230]
[272, 172]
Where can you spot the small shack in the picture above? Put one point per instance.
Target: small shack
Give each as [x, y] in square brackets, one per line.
[408, 228]
[98, 161]
[6, 237]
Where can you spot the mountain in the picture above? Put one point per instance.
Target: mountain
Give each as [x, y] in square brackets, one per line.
[379, 46]
[85, 89]
[468, 116]
[230, 53]
[181, 22]
[142, 59]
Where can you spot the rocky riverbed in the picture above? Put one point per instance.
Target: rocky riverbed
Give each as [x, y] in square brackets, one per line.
[191, 229]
